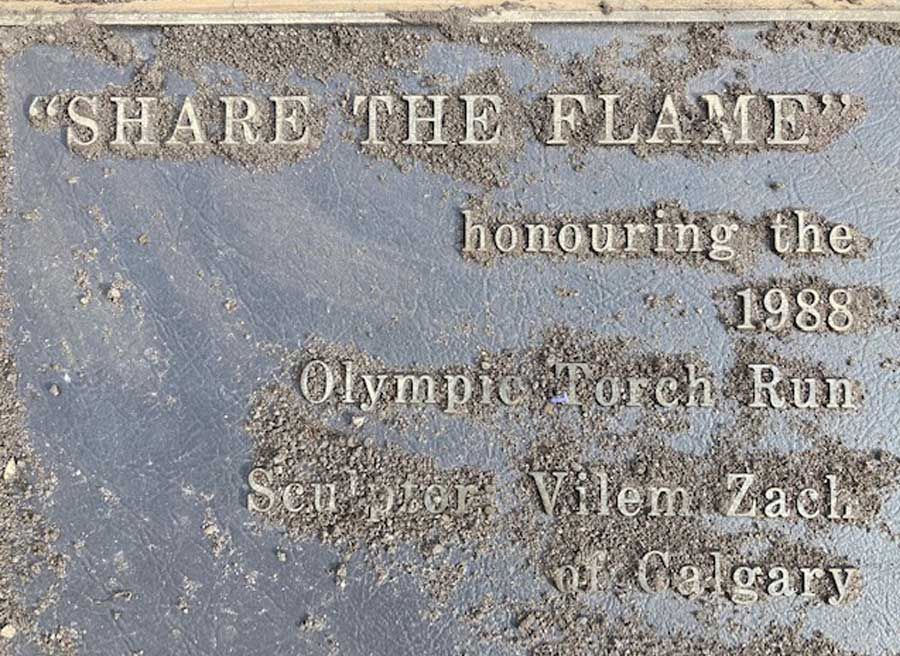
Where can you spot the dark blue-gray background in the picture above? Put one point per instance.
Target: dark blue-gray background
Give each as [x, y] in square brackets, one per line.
[146, 436]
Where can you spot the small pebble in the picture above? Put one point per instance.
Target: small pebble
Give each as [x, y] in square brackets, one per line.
[9, 472]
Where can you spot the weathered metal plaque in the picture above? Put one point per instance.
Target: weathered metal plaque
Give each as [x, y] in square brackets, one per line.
[450, 336]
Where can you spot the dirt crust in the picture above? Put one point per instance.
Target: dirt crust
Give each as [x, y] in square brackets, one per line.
[294, 439]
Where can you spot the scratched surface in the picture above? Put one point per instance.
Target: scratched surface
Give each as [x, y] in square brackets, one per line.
[147, 436]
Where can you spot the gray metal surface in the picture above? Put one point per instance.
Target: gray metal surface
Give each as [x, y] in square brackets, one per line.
[147, 435]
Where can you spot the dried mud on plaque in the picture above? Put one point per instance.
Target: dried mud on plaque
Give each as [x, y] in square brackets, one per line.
[364, 76]
[579, 504]
[456, 518]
